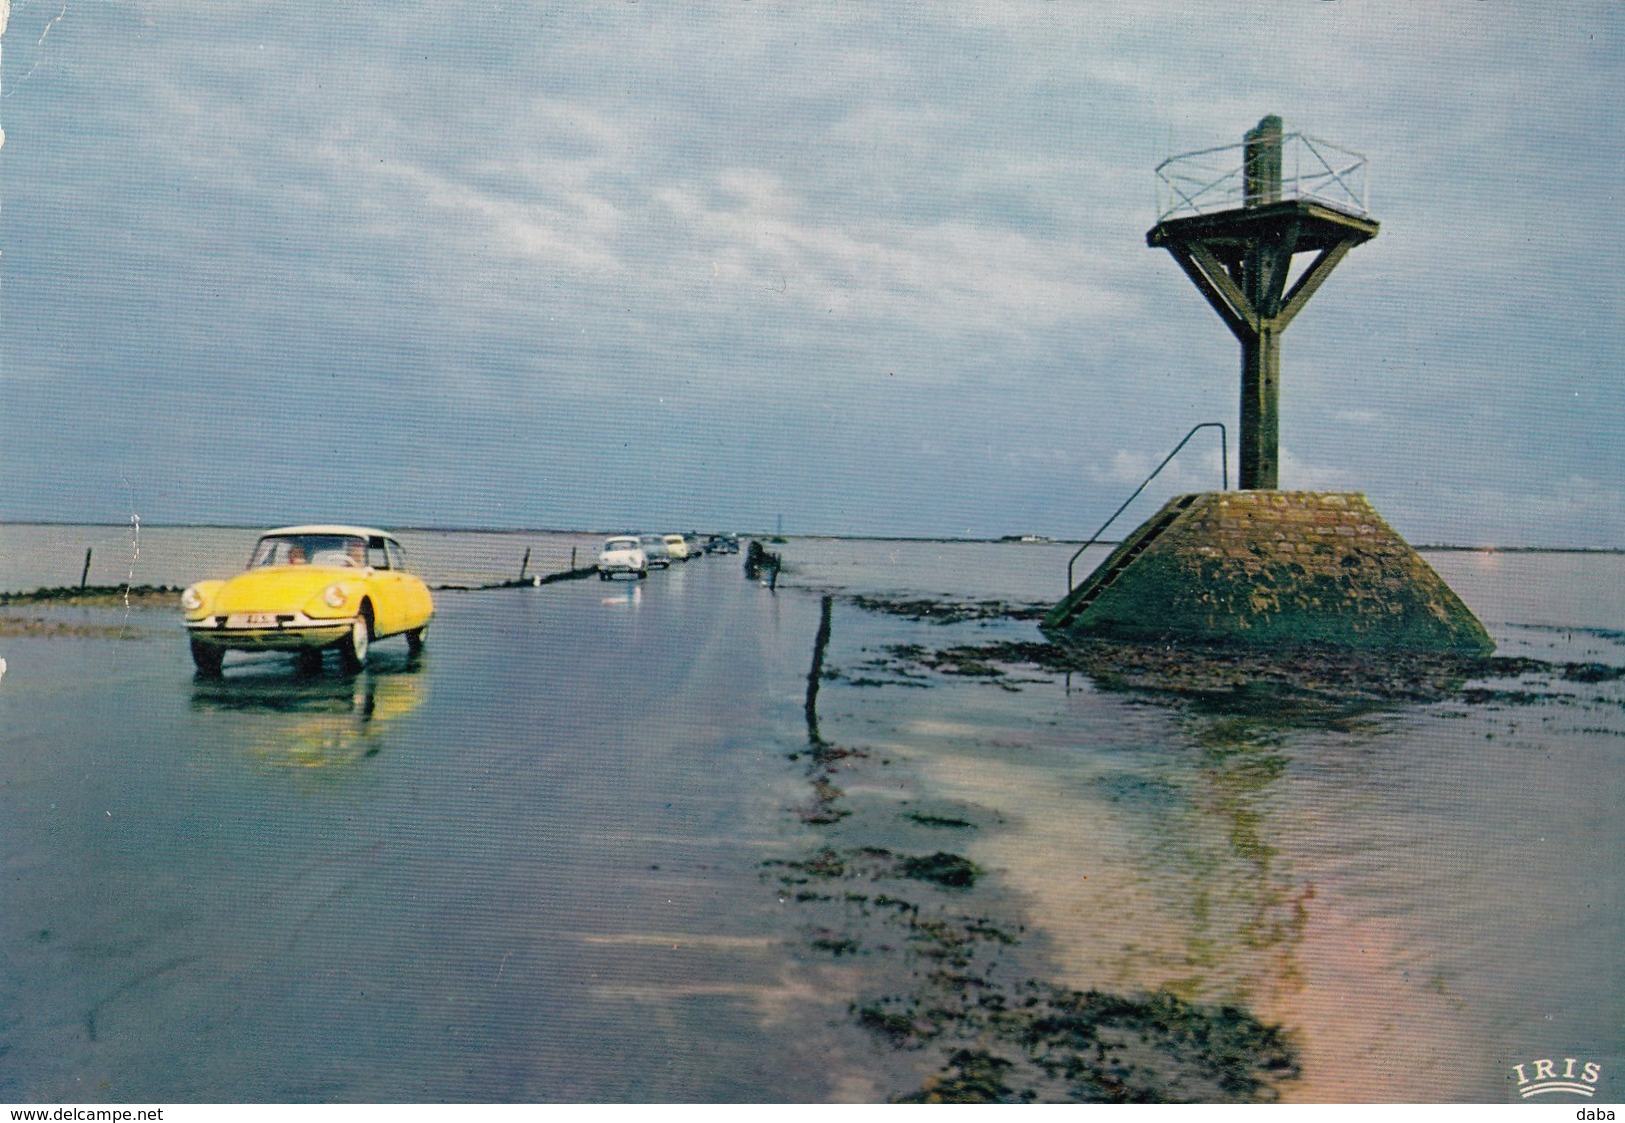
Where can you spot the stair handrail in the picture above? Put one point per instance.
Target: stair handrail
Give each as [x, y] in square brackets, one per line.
[1224, 465]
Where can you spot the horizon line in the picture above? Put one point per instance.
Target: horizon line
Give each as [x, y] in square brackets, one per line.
[1007, 539]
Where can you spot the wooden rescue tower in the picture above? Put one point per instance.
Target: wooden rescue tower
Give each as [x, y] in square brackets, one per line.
[1262, 567]
[1241, 257]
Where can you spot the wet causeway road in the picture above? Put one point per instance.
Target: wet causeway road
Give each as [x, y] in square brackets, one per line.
[526, 867]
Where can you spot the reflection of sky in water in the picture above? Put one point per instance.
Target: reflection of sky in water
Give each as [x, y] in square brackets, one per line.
[1422, 894]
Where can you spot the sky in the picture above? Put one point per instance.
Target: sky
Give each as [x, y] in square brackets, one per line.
[830, 268]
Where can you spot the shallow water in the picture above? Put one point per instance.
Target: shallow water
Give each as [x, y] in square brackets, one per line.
[540, 863]
[1423, 897]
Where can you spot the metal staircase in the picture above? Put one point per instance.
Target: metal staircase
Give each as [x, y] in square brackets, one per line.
[1102, 579]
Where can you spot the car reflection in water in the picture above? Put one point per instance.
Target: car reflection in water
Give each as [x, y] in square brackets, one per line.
[633, 597]
[285, 719]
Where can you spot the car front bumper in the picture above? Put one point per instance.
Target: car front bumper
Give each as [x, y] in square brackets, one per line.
[279, 631]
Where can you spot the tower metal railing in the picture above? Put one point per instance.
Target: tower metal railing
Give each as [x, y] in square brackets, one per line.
[1224, 462]
[1215, 179]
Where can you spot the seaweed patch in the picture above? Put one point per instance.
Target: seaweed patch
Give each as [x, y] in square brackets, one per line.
[947, 610]
[1052, 1043]
[1302, 679]
[942, 967]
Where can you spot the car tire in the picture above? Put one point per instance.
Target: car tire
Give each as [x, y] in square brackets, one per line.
[207, 658]
[415, 639]
[642, 573]
[353, 647]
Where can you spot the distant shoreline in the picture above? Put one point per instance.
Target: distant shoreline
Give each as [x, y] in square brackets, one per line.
[1004, 540]
[1438, 549]
[94, 595]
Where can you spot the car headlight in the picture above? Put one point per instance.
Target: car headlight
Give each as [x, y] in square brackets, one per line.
[191, 599]
[336, 595]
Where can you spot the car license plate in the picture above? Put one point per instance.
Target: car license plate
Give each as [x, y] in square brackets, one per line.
[252, 620]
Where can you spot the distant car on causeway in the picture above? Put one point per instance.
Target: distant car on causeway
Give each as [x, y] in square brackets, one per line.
[622, 554]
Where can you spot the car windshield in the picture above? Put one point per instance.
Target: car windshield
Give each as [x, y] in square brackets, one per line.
[343, 550]
[621, 544]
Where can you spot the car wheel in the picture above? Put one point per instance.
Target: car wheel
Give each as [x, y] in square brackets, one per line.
[415, 639]
[207, 658]
[642, 573]
[353, 648]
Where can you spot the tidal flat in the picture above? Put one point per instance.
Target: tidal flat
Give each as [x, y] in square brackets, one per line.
[867, 836]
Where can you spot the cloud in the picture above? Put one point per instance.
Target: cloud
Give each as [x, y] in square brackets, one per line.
[943, 277]
[817, 234]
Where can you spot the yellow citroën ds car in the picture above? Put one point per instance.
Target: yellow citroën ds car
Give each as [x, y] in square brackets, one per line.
[306, 589]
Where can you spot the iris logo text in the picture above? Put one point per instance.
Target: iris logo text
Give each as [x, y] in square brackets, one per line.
[1548, 1077]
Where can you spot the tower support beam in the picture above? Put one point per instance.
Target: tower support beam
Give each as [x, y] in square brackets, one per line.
[1312, 279]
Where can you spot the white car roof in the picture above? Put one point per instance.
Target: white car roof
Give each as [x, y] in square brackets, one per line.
[330, 528]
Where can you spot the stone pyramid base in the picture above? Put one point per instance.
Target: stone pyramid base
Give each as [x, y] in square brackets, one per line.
[1270, 568]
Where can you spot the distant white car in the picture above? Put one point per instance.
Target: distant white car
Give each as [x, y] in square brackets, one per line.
[622, 553]
[654, 549]
[677, 546]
